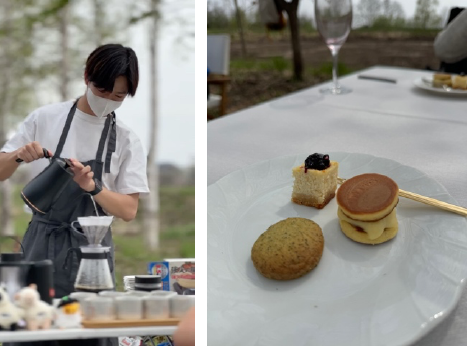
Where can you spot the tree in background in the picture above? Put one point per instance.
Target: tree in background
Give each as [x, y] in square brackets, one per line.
[16, 82]
[151, 203]
[217, 18]
[240, 27]
[291, 8]
[392, 15]
[426, 15]
[368, 11]
[7, 59]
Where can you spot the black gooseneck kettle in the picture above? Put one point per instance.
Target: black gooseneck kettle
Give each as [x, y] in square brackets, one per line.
[42, 191]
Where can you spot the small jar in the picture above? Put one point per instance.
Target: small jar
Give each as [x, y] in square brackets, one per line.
[98, 309]
[148, 282]
[179, 305]
[129, 307]
[157, 305]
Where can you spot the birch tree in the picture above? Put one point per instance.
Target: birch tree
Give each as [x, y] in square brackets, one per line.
[240, 28]
[6, 225]
[151, 204]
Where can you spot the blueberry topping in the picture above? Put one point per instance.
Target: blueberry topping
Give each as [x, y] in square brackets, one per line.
[317, 161]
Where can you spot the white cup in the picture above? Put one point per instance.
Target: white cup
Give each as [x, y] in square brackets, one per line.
[129, 307]
[179, 305]
[98, 309]
[156, 307]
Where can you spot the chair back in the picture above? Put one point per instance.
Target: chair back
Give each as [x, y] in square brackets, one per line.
[218, 54]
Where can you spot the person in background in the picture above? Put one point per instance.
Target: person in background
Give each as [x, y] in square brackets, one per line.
[271, 16]
[185, 333]
[450, 44]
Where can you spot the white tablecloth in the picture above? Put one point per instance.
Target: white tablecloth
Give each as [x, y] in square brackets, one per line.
[415, 127]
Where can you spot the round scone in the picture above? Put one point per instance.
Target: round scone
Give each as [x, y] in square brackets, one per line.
[288, 249]
[367, 208]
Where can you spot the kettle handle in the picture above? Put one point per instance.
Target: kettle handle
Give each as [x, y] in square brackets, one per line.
[46, 155]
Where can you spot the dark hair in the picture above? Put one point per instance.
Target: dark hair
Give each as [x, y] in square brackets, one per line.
[110, 61]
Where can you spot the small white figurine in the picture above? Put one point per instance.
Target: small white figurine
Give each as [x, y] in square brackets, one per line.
[37, 313]
[10, 315]
[68, 314]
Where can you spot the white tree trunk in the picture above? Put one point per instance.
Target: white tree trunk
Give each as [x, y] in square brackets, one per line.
[6, 225]
[151, 203]
[64, 40]
[99, 17]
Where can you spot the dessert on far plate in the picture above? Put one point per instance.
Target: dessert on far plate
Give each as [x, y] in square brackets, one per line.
[315, 181]
[441, 79]
[288, 249]
[367, 208]
[460, 82]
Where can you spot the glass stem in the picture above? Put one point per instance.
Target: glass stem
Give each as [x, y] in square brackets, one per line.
[335, 53]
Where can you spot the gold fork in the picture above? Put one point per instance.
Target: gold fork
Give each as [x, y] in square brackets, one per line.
[427, 200]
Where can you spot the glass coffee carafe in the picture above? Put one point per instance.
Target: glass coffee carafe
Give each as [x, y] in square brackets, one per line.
[94, 271]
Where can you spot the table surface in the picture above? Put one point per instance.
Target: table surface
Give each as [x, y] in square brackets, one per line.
[82, 333]
[415, 127]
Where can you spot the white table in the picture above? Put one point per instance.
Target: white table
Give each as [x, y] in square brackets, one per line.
[398, 121]
[82, 333]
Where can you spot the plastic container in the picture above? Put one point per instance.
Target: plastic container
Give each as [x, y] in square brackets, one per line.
[111, 294]
[81, 296]
[179, 305]
[157, 305]
[129, 307]
[167, 294]
[137, 293]
[98, 309]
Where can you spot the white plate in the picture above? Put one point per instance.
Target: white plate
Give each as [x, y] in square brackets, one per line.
[388, 294]
[425, 83]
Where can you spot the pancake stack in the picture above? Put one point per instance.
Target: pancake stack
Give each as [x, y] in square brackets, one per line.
[367, 208]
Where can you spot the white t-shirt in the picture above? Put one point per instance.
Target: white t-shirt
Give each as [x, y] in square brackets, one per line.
[44, 125]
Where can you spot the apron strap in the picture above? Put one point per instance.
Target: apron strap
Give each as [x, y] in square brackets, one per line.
[100, 150]
[105, 132]
[112, 144]
[65, 130]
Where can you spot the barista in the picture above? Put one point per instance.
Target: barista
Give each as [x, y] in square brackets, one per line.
[108, 160]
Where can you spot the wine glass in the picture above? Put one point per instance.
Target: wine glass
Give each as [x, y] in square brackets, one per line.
[334, 20]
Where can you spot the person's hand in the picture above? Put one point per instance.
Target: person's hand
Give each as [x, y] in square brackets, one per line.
[31, 152]
[83, 175]
[185, 333]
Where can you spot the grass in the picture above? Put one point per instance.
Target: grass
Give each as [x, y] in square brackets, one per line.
[278, 64]
[177, 235]
[241, 67]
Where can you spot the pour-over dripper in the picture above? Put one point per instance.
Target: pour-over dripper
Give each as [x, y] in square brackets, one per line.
[95, 228]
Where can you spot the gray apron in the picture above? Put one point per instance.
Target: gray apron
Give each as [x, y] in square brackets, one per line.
[50, 236]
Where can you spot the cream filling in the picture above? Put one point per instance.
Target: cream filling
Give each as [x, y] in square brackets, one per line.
[373, 229]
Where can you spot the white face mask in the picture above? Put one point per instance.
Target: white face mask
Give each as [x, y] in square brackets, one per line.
[101, 106]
